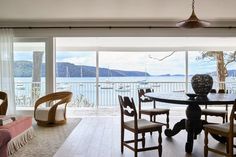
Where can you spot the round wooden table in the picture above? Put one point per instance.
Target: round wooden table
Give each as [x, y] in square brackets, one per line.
[193, 124]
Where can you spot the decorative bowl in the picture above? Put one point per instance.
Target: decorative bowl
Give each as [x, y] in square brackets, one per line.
[191, 95]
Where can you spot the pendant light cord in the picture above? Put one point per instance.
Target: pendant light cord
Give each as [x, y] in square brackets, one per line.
[193, 5]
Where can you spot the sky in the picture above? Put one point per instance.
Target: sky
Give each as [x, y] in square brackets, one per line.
[67, 51]
[136, 61]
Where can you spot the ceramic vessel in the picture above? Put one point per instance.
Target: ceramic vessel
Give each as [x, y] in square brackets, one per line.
[202, 84]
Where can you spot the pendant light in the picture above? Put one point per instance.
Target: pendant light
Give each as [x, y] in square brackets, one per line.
[193, 21]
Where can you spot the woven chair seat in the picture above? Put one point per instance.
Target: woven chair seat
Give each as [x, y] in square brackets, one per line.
[142, 124]
[214, 112]
[223, 128]
[154, 111]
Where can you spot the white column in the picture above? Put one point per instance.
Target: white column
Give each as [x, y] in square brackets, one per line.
[97, 79]
[50, 65]
[186, 71]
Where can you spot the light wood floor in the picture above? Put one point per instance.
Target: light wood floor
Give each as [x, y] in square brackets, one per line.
[100, 137]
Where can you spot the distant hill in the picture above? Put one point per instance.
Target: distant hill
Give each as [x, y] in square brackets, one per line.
[231, 73]
[22, 69]
[64, 69]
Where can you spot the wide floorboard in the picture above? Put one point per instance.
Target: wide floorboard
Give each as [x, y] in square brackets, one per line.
[100, 137]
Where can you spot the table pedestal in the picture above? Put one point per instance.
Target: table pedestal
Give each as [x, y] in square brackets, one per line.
[193, 125]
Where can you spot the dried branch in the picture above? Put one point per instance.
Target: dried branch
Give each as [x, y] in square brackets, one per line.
[232, 59]
[161, 59]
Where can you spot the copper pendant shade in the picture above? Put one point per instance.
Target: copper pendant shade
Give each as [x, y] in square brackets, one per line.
[193, 21]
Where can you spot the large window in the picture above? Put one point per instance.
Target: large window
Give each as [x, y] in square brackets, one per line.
[98, 69]
[29, 72]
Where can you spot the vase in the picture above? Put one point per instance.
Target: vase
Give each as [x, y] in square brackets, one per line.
[202, 84]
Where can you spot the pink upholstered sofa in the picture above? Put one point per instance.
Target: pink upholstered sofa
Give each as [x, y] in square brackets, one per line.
[5, 137]
[21, 132]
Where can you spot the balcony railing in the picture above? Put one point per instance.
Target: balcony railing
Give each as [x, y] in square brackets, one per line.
[84, 93]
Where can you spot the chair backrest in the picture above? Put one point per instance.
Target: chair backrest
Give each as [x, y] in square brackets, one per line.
[141, 92]
[127, 108]
[213, 91]
[57, 97]
[4, 104]
[232, 119]
[221, 91]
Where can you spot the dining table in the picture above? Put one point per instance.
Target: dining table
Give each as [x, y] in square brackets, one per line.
[193, 123]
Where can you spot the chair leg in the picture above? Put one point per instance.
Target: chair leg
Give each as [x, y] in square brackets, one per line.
[167, 120]
[223, 119]
[122, 140]
[151, 121]
[226, 118]
[143, 140]
[135, 144]
[139, 108]
[206, 144]
[230, 146]
[227, 146]
[160, 143]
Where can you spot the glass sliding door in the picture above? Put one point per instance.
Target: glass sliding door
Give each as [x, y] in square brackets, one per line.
[76, 72]
[29, 71]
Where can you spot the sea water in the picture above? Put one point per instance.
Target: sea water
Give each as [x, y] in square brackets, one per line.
[84, 89]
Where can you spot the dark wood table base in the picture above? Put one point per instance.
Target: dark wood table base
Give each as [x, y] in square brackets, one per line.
[193, 125]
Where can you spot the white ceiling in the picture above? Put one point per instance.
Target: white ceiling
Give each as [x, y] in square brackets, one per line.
[89, 10]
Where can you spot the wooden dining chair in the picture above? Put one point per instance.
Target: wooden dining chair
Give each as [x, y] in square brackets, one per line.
[152, 112]
[3, 103]
[137, 126]
[218, 113]
[227, 130]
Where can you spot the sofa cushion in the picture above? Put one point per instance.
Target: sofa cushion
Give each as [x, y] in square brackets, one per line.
[18, 126]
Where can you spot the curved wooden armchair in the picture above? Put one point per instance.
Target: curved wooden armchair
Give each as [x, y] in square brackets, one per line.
[51, 109]
[3, 103]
